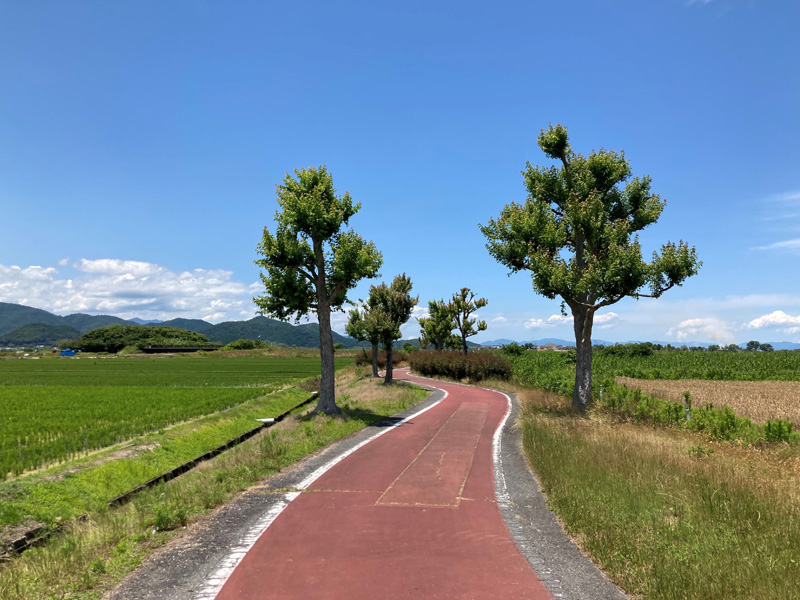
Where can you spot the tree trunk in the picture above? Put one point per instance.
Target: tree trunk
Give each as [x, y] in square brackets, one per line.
[582, 394]
[327, 395]
[375, 359]
[389, 349]
[464, 341]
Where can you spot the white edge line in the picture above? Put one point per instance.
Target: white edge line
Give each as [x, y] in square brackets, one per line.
[501, 489]
[217, 579]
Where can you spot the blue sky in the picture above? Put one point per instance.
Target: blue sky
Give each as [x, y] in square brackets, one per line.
[141, 143]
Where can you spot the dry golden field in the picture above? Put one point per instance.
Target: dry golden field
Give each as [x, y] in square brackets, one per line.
[758, 400]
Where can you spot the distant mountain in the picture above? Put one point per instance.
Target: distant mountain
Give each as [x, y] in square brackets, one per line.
[39, 334]
[85, 323]
[139, 321]
[14, 316]
[196, 325]
[276, 332]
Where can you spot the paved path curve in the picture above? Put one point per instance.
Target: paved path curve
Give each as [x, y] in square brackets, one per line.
[406, 508]
[412, 514]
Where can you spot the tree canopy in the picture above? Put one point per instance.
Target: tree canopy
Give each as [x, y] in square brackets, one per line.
[311, 262]
[437, 327]
[392, 306]
[462, 306]
[577, 235]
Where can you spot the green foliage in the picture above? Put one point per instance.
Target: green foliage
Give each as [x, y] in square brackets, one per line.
[513, 349]
[311, 262]
[364, 358]
[778, 430]
[462, 306]
[474, 366]
[577, 235]
[116, 337]
[627, 350]
[242, 344]
[129, 350]
[392, 305]
[438, 326]
[310, 259]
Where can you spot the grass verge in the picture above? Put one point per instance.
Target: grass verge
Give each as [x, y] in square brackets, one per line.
[669, 513]
[90, 557]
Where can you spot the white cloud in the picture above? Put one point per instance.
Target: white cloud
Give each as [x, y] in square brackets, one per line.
[130, 289]
[63, 262]
[606, 318]
[550, 321]
[715, 329]
[774, 319]
[784, 245]
[498, 319]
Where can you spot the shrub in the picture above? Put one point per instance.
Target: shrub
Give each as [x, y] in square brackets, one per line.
[474, 366]
[513, 349]
[242, 344]
[365, 358]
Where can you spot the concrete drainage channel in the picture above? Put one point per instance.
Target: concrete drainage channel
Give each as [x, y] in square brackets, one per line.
[40, 534]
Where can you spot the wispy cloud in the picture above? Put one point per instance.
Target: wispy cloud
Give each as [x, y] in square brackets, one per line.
[793, 244]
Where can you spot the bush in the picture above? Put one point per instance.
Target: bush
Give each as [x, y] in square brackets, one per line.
[130, 350]
[365, 358]
[513, 349]
[242, 344]
[474, 366]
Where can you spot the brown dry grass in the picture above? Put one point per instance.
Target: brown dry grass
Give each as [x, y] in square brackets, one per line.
[773, 469]
[757, 400]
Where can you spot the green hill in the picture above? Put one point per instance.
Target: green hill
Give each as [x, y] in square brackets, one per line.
[273, 331]
[14, 316]
[197, 325]
[85, 323]
[38, 334]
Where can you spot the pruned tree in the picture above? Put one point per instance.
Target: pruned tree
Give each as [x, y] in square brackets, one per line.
[462, 306]
[366, 325]
[576, 234]
[437, 327]
[311, 262]
[393, 305]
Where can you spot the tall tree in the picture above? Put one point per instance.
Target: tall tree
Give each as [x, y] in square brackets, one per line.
[437, 327]
[589, 208]
[365, 325]
[393, 304]
[311, 262]
[462, 306]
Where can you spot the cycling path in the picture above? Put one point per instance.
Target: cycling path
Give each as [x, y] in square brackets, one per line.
[436, 503]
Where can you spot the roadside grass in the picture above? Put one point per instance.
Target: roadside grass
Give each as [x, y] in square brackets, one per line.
[90, 557]
[668, 513]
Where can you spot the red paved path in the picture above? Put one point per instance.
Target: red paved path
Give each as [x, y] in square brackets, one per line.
[410, 515]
